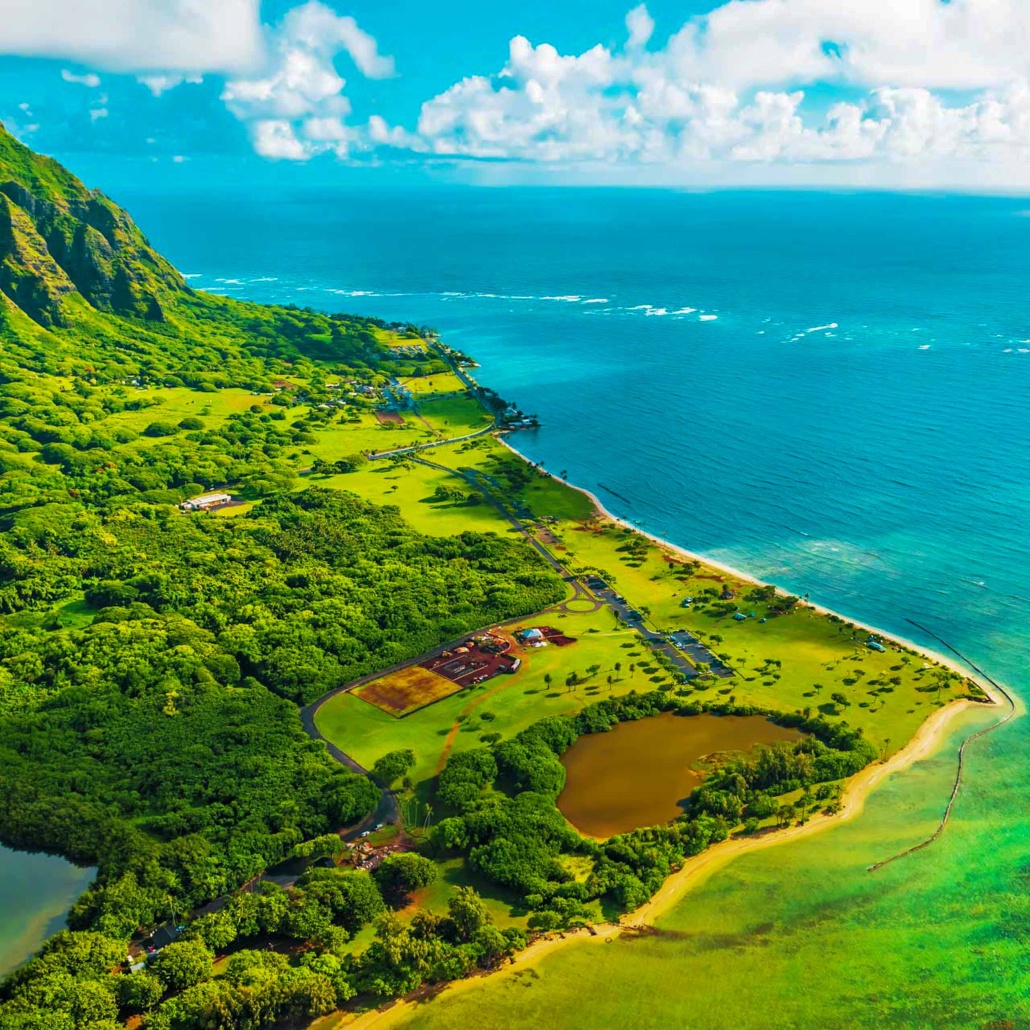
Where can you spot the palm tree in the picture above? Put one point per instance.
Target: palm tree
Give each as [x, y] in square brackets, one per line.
[547, 680]
[618, 668]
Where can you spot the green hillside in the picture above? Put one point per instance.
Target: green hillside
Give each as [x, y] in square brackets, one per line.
[152, 659]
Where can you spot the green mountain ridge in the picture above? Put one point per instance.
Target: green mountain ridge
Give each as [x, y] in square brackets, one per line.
[82, 292]
[58, 239]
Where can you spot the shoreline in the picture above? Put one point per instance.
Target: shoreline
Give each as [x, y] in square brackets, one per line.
[747, 577]
[928, 738]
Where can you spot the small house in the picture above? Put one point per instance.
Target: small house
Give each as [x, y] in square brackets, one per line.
[205, 502]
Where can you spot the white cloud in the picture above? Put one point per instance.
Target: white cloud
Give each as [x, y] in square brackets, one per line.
[962, 44]
[90, 79]
[162, 82]
[137, 35]
[729, 89]
[640, 26]
[296, 107]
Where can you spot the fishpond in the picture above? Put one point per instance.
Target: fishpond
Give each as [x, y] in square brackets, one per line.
[640, 773]
[36, 892]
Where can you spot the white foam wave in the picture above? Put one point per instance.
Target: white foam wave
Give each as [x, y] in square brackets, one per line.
[708, 318]
[924, 346]
[229, 282]
[191, 275]
[571, 298]
[657, 311]
[596, 300]
[684, 311]
[821, 328]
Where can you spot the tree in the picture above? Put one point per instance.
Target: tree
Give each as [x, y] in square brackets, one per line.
[399, 875]
[467, 912]
[182, 964]
[139, 992]
[839, 699]
[393, 765]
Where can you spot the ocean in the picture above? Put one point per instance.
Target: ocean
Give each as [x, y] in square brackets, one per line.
[826, 390]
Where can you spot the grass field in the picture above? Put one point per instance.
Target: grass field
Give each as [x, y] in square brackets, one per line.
[399, 693]
[454, 416]
[410, 486]
[442, 382]
[367, 435]
[813, 657]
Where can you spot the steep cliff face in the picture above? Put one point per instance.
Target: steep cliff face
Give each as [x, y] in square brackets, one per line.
[58, 238]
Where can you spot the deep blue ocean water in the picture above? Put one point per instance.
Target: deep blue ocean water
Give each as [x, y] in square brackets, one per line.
[827, 390]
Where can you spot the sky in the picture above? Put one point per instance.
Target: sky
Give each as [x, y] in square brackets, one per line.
[842, 93]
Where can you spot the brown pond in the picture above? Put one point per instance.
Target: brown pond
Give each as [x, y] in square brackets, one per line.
[640, 773]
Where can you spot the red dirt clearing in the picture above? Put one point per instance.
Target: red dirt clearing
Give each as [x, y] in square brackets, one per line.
[401, 693]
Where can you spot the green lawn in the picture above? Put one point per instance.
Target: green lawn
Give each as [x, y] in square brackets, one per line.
[441, 382]
[341, 439]
[179, 402]
[454, 415]
[410, 486]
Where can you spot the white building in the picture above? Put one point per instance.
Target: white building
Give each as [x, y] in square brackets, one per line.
[205, 501]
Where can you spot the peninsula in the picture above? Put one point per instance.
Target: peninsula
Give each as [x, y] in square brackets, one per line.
[297, 652]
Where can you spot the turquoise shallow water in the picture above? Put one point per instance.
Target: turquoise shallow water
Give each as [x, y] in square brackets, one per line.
[829, 391]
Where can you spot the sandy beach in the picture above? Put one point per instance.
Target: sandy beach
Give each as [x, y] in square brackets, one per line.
[928, 738]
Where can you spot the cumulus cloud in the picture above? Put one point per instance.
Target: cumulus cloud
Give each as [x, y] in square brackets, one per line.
[729, 87]
[296, 108]
[138, 35]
